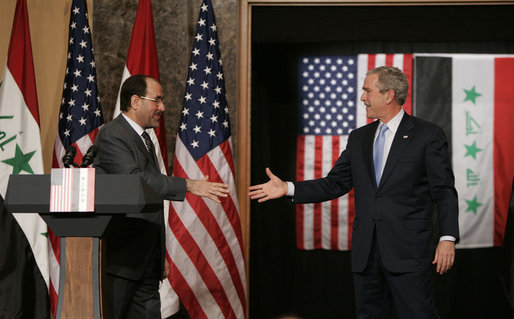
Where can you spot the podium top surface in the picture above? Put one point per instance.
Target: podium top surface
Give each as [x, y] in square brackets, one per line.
[114, 193]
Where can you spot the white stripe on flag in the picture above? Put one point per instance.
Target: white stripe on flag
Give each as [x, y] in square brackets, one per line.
[193, 278]
[216, 209]
[380, 59]
[343, 207]
[325, 206]
[209, 250]
[362, 68]
[308, 209]
[474, 73]
[126, 75]
[12, 103]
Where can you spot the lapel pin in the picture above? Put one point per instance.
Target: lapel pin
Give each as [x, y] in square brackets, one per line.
[406, 136]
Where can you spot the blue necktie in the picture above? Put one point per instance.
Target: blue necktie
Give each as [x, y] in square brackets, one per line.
[378, 153]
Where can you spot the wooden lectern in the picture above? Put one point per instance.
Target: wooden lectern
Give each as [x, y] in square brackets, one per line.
[80, 279]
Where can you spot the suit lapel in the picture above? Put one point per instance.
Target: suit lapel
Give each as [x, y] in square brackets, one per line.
[368, 139]
[136, 139]
[403, 136]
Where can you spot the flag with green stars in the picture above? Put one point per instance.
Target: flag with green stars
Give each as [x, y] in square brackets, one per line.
[20, 148]
[471, 97]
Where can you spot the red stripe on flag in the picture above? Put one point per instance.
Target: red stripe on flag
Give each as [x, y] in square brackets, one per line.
[201, 263]
[19, 60]
[226, 149]
[300, 176]
[215, 232]
[53, 299]
[227, 203]
[389, 60]
[503, 144]
[185, 292]
[351, 216]
[56, 251]
[91, 177]
[371, 64]
[318, 166]
[142, 57]
[407, 69]
[334, 204]
[371, 61]
[93, 133]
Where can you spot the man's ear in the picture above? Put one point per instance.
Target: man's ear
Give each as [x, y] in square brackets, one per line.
[134, 101]
[390, 96]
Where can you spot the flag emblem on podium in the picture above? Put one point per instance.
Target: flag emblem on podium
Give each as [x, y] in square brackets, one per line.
[72, 190]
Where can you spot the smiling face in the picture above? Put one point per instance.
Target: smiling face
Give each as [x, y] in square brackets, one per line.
[375, 101]
[147, 112]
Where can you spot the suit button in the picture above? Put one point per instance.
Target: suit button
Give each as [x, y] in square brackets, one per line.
[378, 195]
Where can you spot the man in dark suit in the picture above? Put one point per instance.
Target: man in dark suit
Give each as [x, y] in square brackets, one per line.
[399, 166]
[135, 243]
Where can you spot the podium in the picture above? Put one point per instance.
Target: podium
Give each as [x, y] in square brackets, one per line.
[80, 279]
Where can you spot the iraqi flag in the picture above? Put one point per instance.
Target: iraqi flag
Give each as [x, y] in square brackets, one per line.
[23, 242]
[142, 59]
[471, 97]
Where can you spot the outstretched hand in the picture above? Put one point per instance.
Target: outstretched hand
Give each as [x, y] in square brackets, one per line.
[274, 188]
[202, 187]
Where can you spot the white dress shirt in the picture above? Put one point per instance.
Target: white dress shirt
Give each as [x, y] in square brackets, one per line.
[139, 130]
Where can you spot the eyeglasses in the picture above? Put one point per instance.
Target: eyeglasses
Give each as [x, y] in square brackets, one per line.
[156, 100]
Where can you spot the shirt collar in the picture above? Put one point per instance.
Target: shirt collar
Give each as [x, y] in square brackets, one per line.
[394, 123]
[139, 130]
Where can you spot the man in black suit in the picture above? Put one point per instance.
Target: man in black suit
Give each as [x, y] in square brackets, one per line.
[135, 243]
[399, 166]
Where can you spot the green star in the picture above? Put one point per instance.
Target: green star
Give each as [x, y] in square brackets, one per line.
[471, 95]
[472, 150]
[20, 161]
[473, 205]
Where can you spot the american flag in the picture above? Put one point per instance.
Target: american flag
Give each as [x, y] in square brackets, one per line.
[80, 115]
[329, 109]
[61, 186]
[72, 190]
[207, 261]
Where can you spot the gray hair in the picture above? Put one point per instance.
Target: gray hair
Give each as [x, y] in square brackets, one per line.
[392, 78]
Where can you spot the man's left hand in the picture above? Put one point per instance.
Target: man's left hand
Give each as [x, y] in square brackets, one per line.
[166, 272]
[444, 256]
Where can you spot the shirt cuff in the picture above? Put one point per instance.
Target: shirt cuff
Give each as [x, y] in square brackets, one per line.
[290, 189]
[448, 238]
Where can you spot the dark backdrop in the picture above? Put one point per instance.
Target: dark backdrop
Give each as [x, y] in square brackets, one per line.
[318, 284]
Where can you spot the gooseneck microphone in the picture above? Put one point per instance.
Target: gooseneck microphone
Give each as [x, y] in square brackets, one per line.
[69, 156]
[89, 156]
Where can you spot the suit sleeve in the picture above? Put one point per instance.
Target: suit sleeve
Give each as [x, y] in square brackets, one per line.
[442, 184]
[337, 183]
[117, 156]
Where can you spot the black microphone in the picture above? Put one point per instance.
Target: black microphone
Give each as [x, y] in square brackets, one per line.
[90, 156]
[69, 156]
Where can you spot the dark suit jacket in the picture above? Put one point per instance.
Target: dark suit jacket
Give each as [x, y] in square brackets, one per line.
[131, 239]
[417, 174]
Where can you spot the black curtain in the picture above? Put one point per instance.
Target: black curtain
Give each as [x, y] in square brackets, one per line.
[318, 284]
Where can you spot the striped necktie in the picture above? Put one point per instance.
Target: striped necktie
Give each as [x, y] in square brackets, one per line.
[148, 142]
